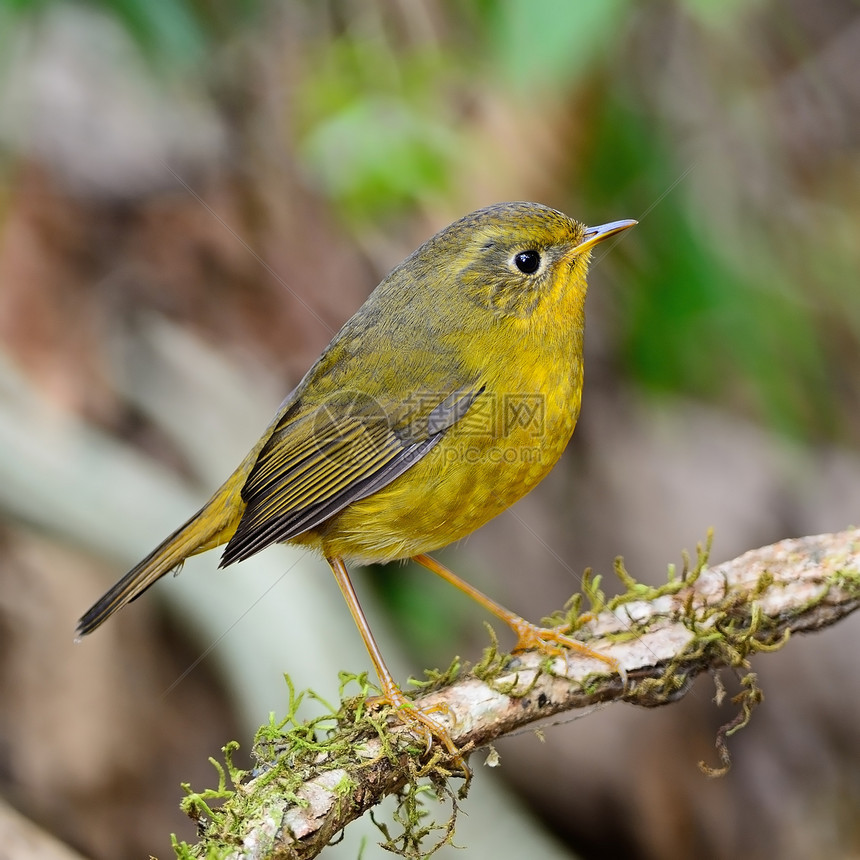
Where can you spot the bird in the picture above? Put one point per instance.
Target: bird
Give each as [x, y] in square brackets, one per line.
[449, 395]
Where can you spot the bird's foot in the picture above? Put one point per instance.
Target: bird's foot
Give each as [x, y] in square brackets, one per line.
[552, 641]
[420, 723]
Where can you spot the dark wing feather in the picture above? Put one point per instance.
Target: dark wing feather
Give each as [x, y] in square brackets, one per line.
[314, 466]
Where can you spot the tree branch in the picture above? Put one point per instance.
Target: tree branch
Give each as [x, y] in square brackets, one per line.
[314, 778]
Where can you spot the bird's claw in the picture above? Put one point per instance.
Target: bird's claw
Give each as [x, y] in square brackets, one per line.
[554, 642]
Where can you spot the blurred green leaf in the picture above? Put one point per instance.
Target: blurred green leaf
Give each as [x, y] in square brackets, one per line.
[551, 42]
[23, 6]
[170, 29]
[378, 154]
[171, 33]
[373, 127]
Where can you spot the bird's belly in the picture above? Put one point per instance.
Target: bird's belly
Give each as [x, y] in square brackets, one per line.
[462, 483]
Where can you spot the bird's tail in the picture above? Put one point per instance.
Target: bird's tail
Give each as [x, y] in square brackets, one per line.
[211, 526]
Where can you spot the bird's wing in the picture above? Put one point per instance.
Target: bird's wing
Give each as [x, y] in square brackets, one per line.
[317, 464]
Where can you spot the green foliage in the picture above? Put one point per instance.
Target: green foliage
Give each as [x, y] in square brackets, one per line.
[173, 34]
[170, 29]
[706, 307]
[694, 318]
[552, 43]
[374, 128]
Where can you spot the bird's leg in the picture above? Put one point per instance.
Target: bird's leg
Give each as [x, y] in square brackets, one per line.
[416, 720]
[549, 640]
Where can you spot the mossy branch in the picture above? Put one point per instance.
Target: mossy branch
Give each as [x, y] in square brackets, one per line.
[314, 778]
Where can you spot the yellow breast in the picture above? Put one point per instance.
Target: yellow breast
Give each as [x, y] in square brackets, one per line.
[508, 442]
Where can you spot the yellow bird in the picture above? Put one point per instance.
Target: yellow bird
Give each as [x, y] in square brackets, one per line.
[449, 395]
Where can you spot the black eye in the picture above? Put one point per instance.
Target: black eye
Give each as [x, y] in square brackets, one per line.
[528, 262]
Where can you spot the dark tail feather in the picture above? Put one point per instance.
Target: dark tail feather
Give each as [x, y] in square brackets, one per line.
[209, 527]
[160, 561]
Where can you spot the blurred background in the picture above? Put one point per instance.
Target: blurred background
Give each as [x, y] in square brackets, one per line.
[196, 194]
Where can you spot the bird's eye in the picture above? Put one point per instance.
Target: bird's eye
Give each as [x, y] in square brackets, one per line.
[528, 262]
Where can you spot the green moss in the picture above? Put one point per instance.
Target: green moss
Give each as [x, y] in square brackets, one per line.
[436, 679]
[846, 579]
[289, 751]
[420, 834]
[635, 590]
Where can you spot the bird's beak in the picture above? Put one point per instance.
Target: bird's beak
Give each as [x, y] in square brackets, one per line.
[593, 235]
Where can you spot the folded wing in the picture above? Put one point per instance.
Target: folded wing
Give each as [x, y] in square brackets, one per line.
[312, 467]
